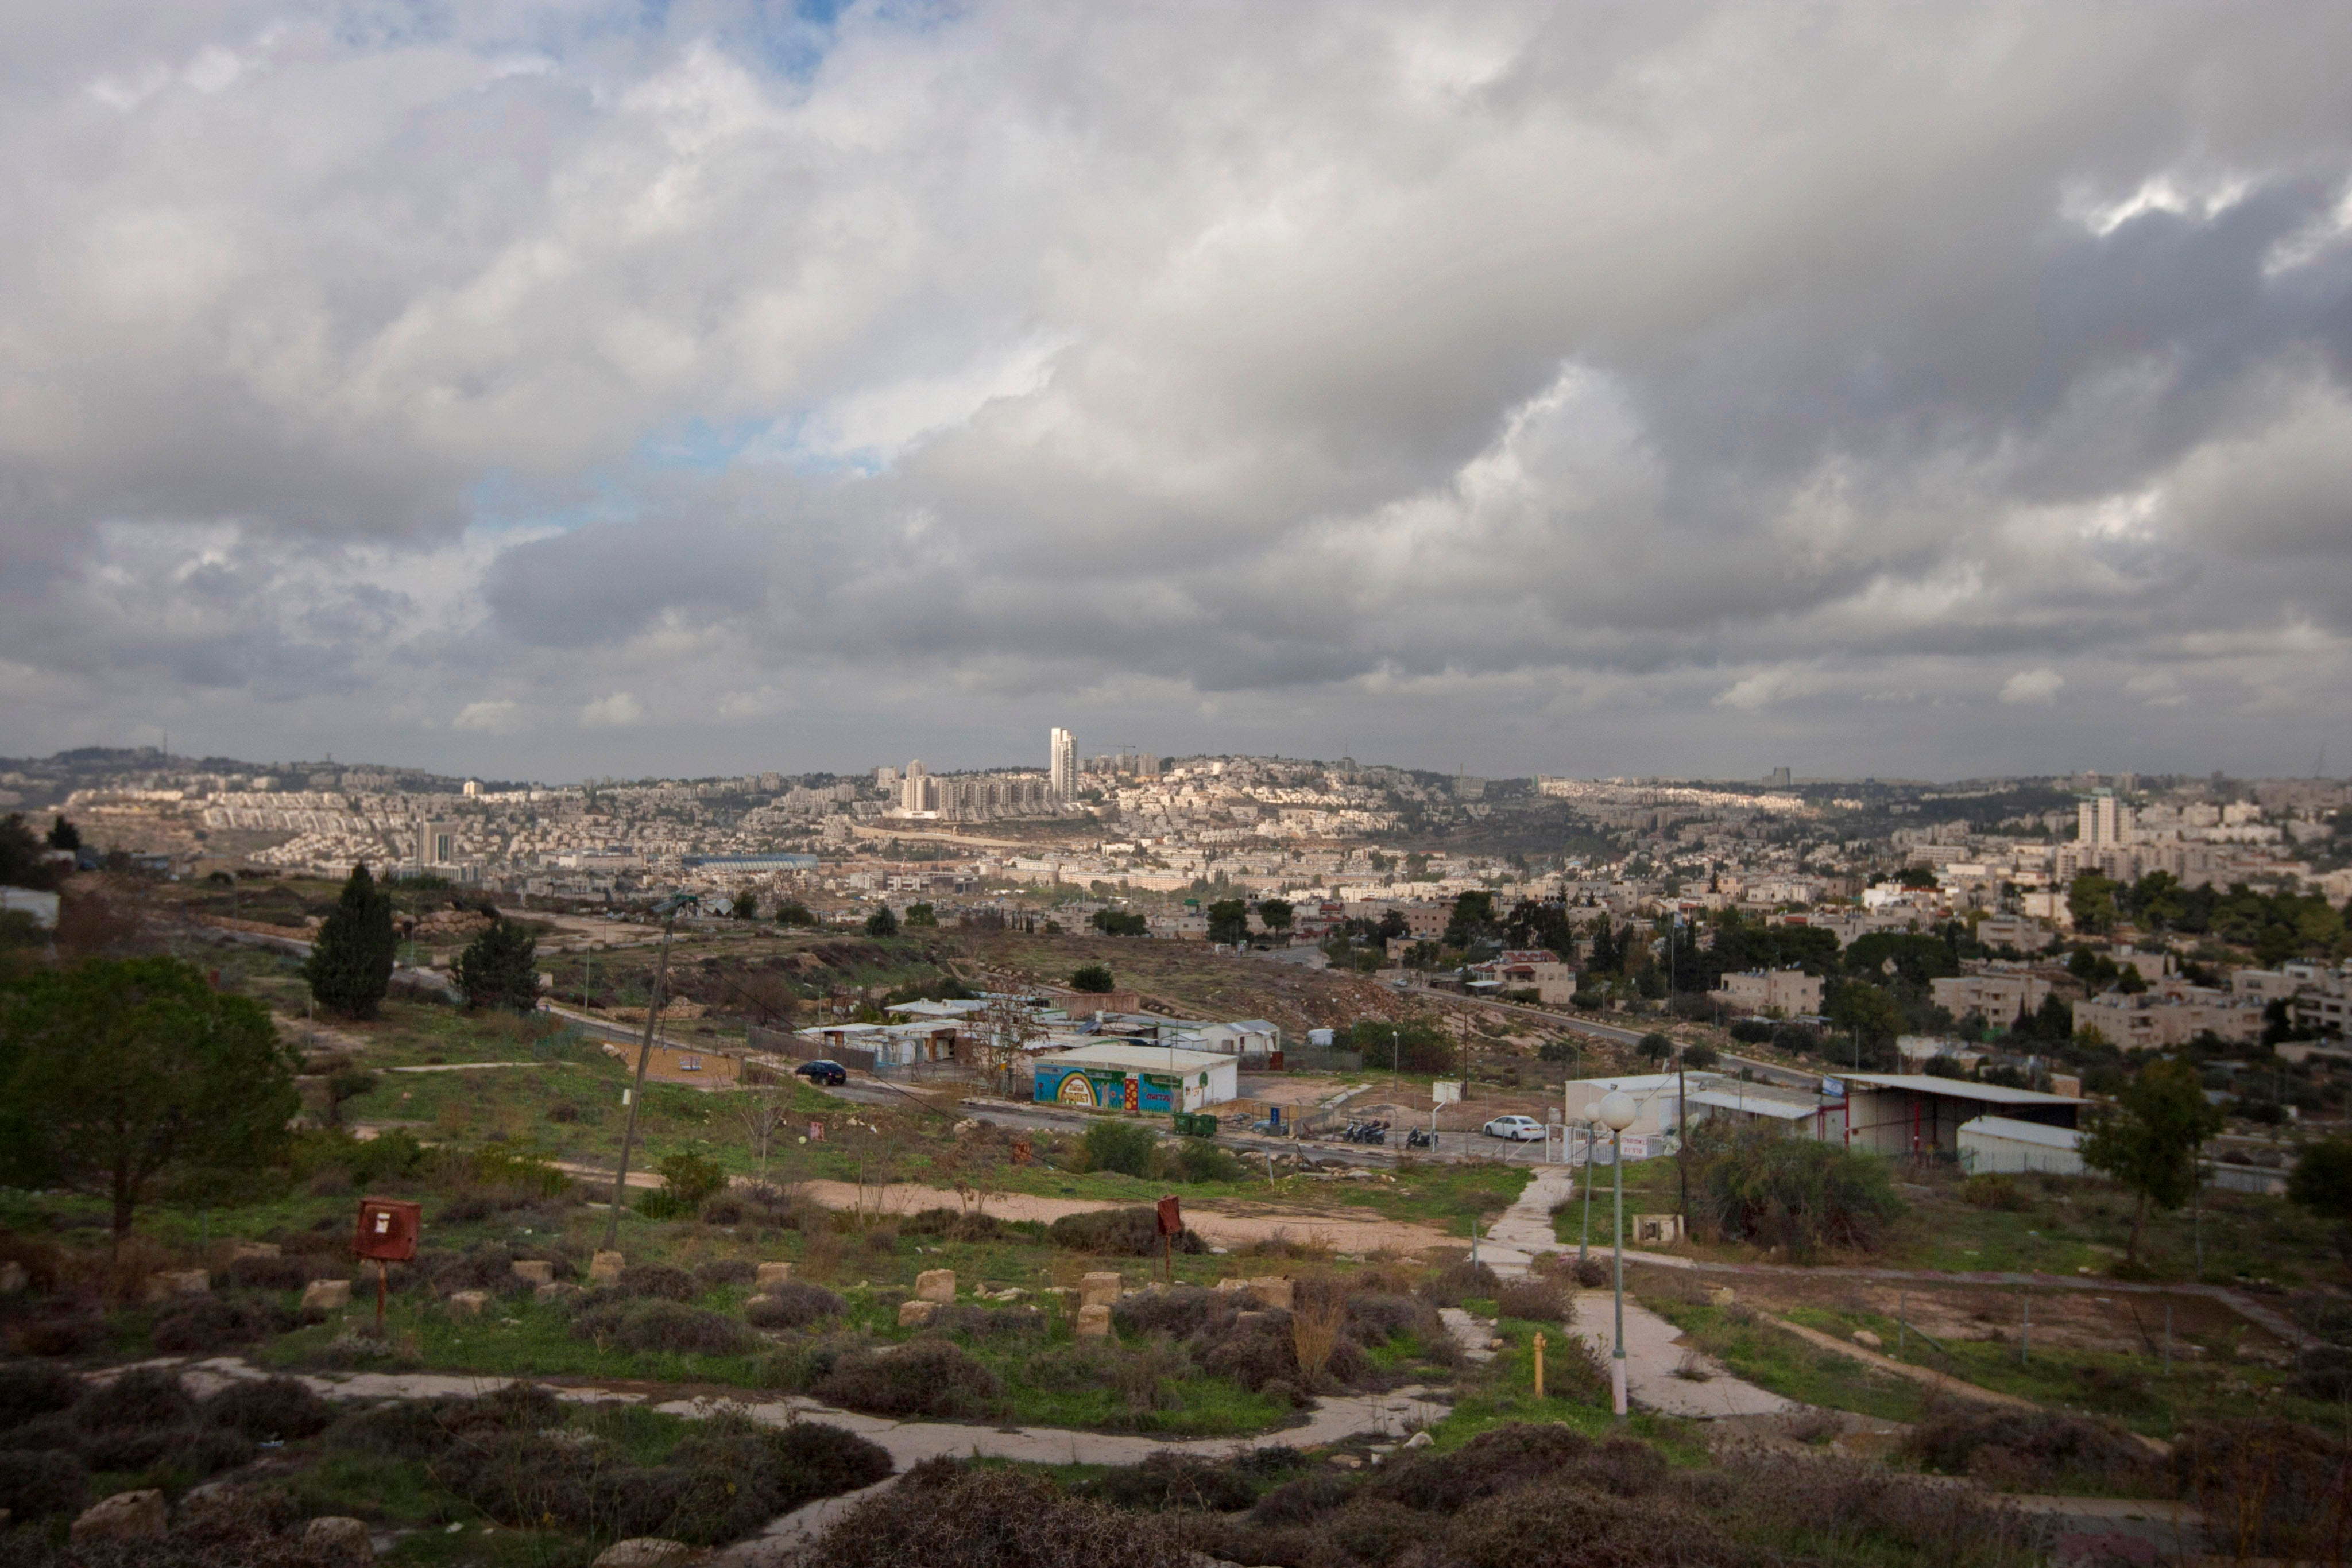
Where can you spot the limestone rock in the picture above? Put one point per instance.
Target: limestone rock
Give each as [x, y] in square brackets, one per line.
[647, 1551]
[1093, 1323]
[343, 1542]
[916, 1315]
[1722, 1296]
[605, 1266]
[1347, 1461]
[170, 1283]
[935, 1285]
[13, 1278]
[1867, 1340]
[537, 1271]
[467, 1303]
[1419, 1440]
[771, 1274]
[327, 1295]
[1100, 1290]
[125, 1516]
[1269, 1291]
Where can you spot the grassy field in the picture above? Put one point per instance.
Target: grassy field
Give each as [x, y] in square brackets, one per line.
[2060, 1225]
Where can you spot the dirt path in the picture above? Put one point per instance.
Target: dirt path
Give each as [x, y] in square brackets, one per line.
[1319, 1227]
[1332, 1421]
[1940, 1382]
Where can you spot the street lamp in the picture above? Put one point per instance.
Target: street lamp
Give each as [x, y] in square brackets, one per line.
[669, 909]
[1616, 1112]
[1583, 1242]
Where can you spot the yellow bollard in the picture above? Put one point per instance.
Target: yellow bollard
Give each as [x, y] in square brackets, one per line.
[1539, 1345]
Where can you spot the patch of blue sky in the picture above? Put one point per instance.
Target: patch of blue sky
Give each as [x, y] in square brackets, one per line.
[505, 502]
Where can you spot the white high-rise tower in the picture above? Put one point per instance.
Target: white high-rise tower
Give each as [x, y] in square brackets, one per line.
[1062, 764]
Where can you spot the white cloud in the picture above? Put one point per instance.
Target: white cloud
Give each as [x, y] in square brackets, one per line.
[614, 711]
[496, 716]
[1340, 364]
[2033, 687]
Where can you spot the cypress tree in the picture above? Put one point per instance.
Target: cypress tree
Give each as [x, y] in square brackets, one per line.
[499, 968]
[350, 960]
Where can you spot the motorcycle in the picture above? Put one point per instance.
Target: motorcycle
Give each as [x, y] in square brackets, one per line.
[1417, 1139]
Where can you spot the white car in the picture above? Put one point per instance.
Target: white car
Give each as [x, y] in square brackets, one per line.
[1519, 1129]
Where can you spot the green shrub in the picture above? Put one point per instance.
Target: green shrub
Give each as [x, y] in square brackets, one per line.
[657, 1326]
[1995, 1190]
[794, 1304]
[391, 1155]
[200, 1324]
[2023, 1449]
[941, 1513]
[1122, 1146]
[269, 1409]
[922, 1377]
[35, 1482]
[1168, 1480]
[954, 1224]
[1779, 1191]
[1458, 1282]
[1119, 1232]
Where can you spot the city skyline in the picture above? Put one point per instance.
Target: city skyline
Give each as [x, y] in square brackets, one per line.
[1514, 388]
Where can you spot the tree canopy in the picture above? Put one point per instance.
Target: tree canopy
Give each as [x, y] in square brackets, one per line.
[117, 1076]
[63, 834]
[1093, 979]
[2147, 1143]
[1275, 914]
[882, 922]
[1229, 921]
[499, 968]
[1416, 1044]
[350, 966]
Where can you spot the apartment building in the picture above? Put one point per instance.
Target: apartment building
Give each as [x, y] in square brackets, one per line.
[1789, 992]
[2171, 1017]
[1996, 994]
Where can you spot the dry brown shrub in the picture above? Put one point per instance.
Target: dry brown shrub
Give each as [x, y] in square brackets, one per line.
[2269, 1489]
[1314, 1333]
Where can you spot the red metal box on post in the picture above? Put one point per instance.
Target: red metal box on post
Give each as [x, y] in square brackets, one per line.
[388, 1229]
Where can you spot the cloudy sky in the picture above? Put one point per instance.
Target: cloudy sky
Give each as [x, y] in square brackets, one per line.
[542, 391]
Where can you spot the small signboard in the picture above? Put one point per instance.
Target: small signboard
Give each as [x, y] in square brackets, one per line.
[816, 1132]
[388, 1229]
[1444, 1093]
[1833, 1087]
[1171, 1216]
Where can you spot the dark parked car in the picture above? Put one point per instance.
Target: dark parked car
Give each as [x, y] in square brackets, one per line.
[821, 1072]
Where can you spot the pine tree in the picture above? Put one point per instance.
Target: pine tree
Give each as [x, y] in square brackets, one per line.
[499, 968]
[350, 959]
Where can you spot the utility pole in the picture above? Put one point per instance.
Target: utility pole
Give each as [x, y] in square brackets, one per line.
[668, 909]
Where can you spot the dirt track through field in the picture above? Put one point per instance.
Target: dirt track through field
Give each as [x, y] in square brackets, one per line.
[1340, 1232]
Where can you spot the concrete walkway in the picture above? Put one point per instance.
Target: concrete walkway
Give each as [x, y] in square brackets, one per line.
[1656, 1359]
[1393, 1415]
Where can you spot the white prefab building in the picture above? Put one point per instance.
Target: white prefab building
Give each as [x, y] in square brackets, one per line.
[2003, 1143]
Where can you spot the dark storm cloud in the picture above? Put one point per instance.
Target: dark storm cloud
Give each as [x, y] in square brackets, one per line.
[1505, 379]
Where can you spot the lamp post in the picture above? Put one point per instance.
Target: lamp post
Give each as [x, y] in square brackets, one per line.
[1617, 1114]
[1583, 1242]
[669, 909]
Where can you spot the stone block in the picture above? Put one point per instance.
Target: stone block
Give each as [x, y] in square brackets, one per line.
[647, 1551]
[338, 1542]
[125, 1516]
[467, 1303]
[935, 1285]
[170, 1283]
[327, 1295]
[1093, 1323]
[604, 1269]
[1100, 1290]
[771, 1274]
[536, 1271]
[916, 1315]
[1722, 1296]
[258, 1249]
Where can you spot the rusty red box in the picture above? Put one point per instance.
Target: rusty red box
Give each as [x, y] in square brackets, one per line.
[388, 1229]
